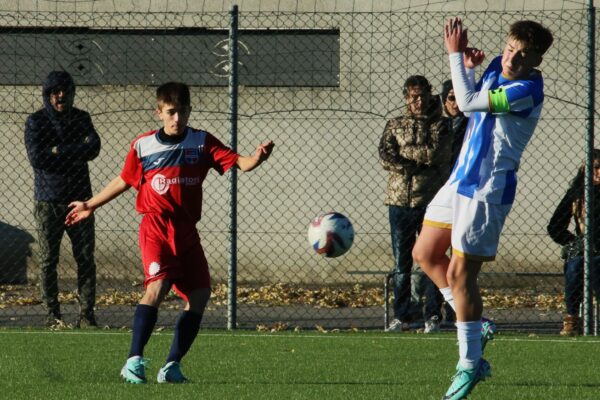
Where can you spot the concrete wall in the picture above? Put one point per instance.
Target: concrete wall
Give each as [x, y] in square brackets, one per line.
[326, 138]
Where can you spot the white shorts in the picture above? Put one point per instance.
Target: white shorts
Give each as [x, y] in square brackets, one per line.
[476, 226]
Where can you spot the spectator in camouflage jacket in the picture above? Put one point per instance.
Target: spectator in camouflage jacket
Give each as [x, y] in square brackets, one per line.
[416, 149]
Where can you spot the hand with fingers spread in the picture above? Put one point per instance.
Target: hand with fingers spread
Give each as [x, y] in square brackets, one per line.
[455, 37]
[79, 211]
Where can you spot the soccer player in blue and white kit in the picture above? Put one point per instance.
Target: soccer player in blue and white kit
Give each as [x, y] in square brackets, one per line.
[469, 211]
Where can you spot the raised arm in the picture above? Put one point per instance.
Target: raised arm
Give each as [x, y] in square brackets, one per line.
[81, 210]
[462, 61]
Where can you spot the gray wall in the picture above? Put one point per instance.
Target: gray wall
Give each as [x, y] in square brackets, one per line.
[326, 139]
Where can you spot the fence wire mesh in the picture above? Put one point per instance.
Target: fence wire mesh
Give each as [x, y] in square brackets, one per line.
[325, 159]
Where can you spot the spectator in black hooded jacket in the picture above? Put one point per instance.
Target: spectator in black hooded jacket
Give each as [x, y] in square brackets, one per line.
[570, 213]
[60, 141]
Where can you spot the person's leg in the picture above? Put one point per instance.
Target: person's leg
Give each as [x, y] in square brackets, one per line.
[144, 319]
[194, 288]
[417, 292]
[186, 331]
[573, 270]
[462, 276]
[430, 251]
[146, 314]
[433, 299]
[476, 230]
[403, 237]
[50, 231]
[188, 324]
[595, 271]
[83, 240]
[471, 368]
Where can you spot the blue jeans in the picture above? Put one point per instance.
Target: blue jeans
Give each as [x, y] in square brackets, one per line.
[405, 223]
[574, 282]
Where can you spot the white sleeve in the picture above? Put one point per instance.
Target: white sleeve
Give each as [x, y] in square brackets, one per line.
[463, 83]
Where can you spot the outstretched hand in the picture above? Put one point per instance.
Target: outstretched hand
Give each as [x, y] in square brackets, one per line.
[264, 150]
[79, 211]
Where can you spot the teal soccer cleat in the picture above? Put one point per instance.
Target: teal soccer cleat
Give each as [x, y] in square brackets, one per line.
[134, 370]
[488, 329]
[171, 373]
[465, 380]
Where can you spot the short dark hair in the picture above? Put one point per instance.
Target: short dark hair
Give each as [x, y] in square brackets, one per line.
[175, 93]
[416, 80]
[532, 34]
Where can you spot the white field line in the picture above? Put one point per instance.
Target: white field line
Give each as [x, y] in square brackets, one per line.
[330, 336]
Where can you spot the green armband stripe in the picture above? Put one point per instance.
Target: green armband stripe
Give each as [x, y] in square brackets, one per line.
[499, 101]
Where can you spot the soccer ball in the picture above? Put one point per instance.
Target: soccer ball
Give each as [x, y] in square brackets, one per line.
[330, 234]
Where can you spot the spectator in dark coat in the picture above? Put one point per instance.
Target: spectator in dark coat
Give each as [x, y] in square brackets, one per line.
[60, 141]
[570, 212]
[458, 119]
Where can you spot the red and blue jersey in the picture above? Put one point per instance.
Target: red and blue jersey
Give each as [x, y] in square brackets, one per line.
[169, 176]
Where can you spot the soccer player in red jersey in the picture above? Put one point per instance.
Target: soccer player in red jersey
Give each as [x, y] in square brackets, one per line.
[167, 167]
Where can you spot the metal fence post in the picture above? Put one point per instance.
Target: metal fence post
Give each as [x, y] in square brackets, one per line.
[589, 199]
[233, 106]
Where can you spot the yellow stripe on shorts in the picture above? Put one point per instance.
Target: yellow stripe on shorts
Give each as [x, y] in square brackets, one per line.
[436, 224]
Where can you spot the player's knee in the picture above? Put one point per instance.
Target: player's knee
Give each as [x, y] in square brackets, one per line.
[457, 278]
[198, 299]
[419, 256]
[155, 293]
[425, 257]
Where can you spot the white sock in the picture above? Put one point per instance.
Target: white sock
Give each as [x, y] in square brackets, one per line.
[469, 343]
[447, 293]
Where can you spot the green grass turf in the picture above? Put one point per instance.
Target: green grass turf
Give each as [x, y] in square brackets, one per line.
[306, 365]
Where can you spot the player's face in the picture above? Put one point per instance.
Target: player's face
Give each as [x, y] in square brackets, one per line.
[417, 99]
[451, 104]
[58, 100]
[174, 118]
[517, 60]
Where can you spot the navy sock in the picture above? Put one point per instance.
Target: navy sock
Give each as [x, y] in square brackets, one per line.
[144, 320]
[186, 330]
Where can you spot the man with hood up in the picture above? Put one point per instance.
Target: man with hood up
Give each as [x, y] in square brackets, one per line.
[60, 140]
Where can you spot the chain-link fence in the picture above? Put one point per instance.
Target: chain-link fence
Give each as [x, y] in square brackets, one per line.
[321, 86]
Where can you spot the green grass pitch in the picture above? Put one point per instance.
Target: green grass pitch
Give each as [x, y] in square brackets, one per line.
[300, 365]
